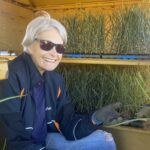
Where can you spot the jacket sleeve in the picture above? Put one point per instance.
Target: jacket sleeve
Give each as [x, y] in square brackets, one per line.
[16, 136]
[73, 126]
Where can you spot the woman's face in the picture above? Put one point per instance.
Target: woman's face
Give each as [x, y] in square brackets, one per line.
[46, 60]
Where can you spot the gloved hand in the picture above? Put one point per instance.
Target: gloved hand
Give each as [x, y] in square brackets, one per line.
[106, 115]
[144, 112]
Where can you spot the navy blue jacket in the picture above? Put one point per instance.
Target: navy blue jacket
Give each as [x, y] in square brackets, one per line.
[18, 114]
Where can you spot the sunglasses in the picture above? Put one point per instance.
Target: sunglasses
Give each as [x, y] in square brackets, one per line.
[48, 45]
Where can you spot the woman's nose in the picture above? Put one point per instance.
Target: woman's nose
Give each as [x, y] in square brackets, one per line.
[53, 51]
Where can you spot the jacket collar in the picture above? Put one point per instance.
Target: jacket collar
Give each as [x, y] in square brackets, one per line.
[34, 74]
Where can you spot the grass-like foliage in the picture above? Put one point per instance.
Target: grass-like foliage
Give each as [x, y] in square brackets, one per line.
[85, 32]
[130, 30]
[92, 87]
[125, 31]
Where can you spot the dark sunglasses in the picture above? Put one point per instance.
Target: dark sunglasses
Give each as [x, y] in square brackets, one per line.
[48, 45]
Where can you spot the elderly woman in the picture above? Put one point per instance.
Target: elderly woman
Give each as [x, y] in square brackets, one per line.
[43, 117]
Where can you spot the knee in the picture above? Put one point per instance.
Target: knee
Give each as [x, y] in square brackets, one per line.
[103, 134]
[108, 136]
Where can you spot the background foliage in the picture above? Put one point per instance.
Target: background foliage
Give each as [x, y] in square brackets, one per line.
[125, 31]
[93, 86]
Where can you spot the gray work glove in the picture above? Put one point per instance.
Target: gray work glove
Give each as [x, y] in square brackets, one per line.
[106, 115]
[144, 112]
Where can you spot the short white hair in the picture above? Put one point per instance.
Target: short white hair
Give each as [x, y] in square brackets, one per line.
[40, 24]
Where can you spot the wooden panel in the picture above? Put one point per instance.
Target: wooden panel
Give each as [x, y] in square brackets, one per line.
[59, 8]
[38, 3]
[130, 138]
[13, 21]
[66, 7]
[26, 2]
[59, 4]
[3, 70]
[97, 61]
[106, 61]
[4, 58]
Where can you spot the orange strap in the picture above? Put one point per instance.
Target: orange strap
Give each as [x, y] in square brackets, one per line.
[59, 92]
[22, 92]
[57, 126]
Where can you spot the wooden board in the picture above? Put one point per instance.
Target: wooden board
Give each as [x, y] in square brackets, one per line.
[45, 3]
[106, 61]
[97, 61]
[13, 21]
[105, 6]
[3, 70]
[130, 138]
